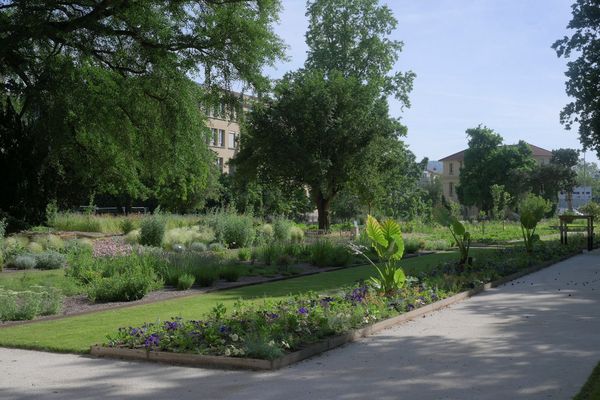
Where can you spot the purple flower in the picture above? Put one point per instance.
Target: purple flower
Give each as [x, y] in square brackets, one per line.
[325, 301]
[272, 316]
[171, 326]
[357, 295]
[224, 329]
[152, 340]
[302, 310]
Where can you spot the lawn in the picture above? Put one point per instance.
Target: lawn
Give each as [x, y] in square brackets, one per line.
[591, 389]
[76, 334]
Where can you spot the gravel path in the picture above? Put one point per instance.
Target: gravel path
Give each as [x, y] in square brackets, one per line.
[534, 338]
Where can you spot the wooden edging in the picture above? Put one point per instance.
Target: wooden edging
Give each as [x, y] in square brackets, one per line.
[223, 362]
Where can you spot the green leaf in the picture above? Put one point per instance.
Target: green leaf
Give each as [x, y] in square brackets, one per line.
[396, 248]
[442, 216]
[375, 232]
[399, 278]
[457, 227]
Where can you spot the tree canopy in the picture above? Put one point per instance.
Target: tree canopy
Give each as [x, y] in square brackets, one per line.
[317, 129]
[582, 47]
[487, 162]
[101, 93]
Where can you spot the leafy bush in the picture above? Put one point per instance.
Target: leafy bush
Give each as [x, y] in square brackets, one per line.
[412, 245]
[126, 226]
[323, 253]
[24, 261]
[230, 273]
[244, 254]
[75, 244]
[123, 281]
[296, 234]
[198, 246]
[592, 208]
[133, 237]
[265, 233]
[233, 229]
[282, 229]
[532, 209]
[50, 260]
[35, 248]
[187, 236]
[185, 281]
[25, 305]
[204, 267]
[50, 242]
[152, 231]
[216, 247]
[459, 233]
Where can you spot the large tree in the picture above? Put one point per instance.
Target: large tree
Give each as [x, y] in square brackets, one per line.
[322, 119]
[487, 162]
[100, 92]
[583, 72]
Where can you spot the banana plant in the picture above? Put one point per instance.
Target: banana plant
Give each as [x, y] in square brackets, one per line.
[386, 240]
[459, 233]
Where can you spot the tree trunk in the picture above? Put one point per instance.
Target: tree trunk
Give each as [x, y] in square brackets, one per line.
[323, 211]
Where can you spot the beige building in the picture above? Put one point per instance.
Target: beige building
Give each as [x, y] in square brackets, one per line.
[225, 132]
[454, 162]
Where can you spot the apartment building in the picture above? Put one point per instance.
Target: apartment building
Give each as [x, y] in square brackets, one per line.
[453, 163]
[224, 123]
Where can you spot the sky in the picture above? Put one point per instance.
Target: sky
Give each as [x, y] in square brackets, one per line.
[486, 62]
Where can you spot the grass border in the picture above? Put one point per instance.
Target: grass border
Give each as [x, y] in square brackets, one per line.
[222, 362]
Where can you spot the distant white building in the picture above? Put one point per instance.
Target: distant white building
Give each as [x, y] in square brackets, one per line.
[581, 196]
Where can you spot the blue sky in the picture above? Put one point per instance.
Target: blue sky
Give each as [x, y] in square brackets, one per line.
[477, 62]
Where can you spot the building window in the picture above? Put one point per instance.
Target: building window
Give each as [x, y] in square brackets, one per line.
[220, 163]
[221, 138]
[451, 188]
[232, 140]
[214, 136]
[451, 169]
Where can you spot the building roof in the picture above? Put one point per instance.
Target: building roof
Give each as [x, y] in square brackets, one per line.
[536, 151]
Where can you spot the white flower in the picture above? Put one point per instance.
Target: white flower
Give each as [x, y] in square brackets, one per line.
[234, 337]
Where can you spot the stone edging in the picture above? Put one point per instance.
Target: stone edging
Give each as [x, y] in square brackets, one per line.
[310, 350]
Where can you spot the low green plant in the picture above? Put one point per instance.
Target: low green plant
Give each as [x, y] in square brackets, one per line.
[35, 248]
[265, 233]
[459, 233]
[532, 209]
[50, 260]
[231, 273]
[282, 229]
[268, 253]
[126, 226]
[296, 234]
[24, 261]
[28, 304]
[206, 276]
[152, 231]
[216, 247]
[198, 246]
[50, 242]
[185, 281]
[412, 245]
[244, 254]
[324, 253]
[386, 240]
[133, 237]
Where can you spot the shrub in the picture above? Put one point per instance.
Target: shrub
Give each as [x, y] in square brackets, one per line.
[76, 244]
[185, 281]
[230, 273]
[244, 254]
[198, 246]
[323, 253]
[532, 210]
[152, 231]
[592, 208]
[124, 278]
[187, 236]
[239, 231]
[296, 234]
[126, 226]
[206, 276]
[50, 260]
[133, 237]
[269, 253]
[265, 233]
[24, 261]
[282, 229]
[50, 242]
[412, 245]
[35, 248]
[178, 248]
[25, 305]
[216, 247]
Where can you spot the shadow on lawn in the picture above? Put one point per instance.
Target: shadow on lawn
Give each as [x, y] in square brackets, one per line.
[530, 341]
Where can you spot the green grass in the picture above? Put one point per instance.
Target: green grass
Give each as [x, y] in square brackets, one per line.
[20, 281]
[591, 389]
[76, 334]
[71, 221]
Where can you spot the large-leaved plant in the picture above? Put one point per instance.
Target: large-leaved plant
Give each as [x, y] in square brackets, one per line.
[459, 233]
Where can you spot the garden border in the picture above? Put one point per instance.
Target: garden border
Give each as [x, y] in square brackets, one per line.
[201, 291]
[222, 362]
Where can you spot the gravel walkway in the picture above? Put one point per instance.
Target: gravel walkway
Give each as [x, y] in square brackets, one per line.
[535, 338]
